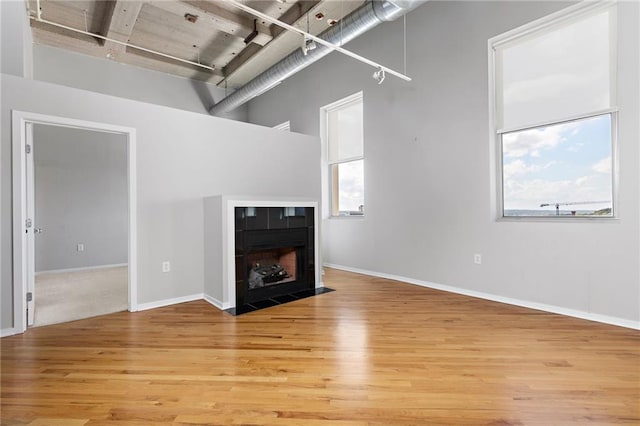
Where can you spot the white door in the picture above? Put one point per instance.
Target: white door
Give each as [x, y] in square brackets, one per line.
[31, 227]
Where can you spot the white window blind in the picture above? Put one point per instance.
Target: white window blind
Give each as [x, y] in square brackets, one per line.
[557, 72]
[346, 134]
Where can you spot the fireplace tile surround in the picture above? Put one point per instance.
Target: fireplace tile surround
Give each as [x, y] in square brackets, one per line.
[240, 229]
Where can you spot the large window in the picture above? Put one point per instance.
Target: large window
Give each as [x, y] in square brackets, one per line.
[553, 92]
[344, 138]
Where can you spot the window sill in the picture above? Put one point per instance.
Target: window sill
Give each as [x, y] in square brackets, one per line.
[572, 219]
[353, 217]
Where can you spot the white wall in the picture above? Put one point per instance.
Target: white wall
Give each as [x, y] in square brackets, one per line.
[126, 81]
[430, 196]
[81, 196]
[181, 158]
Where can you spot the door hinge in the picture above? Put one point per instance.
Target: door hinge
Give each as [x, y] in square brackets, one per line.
[29, 296]
[27, 148]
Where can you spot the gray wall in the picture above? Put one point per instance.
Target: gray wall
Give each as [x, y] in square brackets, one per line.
[126, 81]
[181, 158]
[80, 197]
[430, 192]
[15, 39]
[15, 59]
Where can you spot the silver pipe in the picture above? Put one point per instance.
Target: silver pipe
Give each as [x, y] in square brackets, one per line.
[356, 23]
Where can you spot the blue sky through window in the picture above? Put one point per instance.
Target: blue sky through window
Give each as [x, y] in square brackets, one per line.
[562, 163]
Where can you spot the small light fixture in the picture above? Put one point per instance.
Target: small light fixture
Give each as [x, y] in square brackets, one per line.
[379, 75]
[191, 18]
[307, 43]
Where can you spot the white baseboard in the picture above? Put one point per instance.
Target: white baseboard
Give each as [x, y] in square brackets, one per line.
[168, 302]
[84, 268]
[5, 332]
[146, 306]
[217, 303]
[590, 316]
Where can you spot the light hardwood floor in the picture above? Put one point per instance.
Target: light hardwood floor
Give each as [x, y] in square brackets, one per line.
[374, 352]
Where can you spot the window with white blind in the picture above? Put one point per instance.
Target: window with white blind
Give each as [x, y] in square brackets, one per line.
[554, 113]
[286, 126]
[343, 130]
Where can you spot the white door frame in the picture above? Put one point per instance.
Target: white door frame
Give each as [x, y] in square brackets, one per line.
[30, 235]
[20, 122]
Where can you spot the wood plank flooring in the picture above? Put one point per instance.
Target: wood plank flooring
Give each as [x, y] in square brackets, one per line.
[374, 352]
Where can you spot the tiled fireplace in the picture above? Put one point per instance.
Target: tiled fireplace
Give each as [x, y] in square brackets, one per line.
[274, 252]
[259, 252]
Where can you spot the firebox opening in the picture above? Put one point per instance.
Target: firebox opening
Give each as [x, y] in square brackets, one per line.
[271, 267]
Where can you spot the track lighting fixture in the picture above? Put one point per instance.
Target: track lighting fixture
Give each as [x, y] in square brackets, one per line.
[311, 45]
[307, 45]
[379, 75]
[307, 42]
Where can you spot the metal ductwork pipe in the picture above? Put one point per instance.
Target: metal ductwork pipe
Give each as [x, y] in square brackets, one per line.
[356, 23]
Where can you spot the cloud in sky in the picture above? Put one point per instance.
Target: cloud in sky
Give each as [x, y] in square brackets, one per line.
[583, 180]
[529, 194]
[351, 185]
[531, 142]
[519, 168]
[603, 166]
[576, 147]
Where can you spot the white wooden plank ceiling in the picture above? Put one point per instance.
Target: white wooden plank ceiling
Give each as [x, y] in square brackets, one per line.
[211, 33]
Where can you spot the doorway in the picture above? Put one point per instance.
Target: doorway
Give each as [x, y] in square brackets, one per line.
[79, 223]
[80, 250]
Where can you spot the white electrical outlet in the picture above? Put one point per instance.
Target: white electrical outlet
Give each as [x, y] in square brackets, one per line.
[80, 247]
[477, 259]
[166, 266]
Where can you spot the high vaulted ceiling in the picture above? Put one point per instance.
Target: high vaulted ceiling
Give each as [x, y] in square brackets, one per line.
[211, 33]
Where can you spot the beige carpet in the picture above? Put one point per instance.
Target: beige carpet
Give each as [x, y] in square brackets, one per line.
[69, 296]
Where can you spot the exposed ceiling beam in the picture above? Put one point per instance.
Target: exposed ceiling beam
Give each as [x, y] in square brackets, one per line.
[238, 73]
[45, 33]
[118, 24]
[297, 11]
[218, 19]
[293, 14]
[62, 38]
